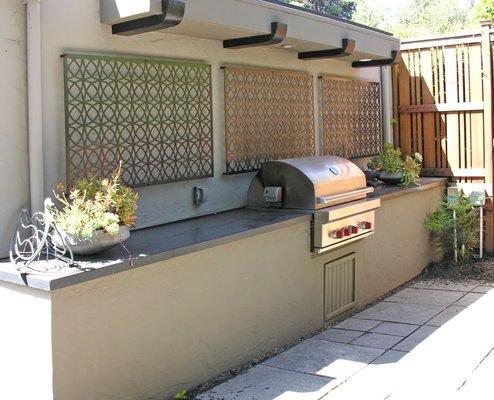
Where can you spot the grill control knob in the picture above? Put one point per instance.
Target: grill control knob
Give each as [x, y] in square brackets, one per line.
[366, 225]
[347, 231]
[354, 229]
[337, 234]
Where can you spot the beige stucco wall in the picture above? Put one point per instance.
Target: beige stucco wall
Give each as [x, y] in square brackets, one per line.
[78, 29]
[400, 248]
[26, 355]
[153, 331]
[13, 125]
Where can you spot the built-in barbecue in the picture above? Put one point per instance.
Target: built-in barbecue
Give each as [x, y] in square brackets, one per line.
[333, 188]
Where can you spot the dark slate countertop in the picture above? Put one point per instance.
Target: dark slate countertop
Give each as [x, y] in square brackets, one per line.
[151, 245]
[384, 192]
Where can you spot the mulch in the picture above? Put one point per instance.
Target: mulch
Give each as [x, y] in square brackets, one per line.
[476, 269]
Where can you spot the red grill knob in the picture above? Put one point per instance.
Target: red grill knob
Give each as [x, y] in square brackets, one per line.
[354, 229]
[368, 225]
[339, 234]
[347, 232]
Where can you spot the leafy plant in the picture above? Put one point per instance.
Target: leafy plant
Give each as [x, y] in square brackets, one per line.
[182, 395]
[455, 219]
[94, 204]
[338, 8]
[411, 170]
[391, 160]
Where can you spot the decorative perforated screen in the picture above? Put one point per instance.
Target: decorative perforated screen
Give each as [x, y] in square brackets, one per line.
[269, 115]
[153, 115]
[351, 117]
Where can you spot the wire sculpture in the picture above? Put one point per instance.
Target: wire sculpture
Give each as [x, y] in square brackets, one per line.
[37, 245]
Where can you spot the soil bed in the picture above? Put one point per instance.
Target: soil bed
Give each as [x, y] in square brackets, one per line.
[476, 269]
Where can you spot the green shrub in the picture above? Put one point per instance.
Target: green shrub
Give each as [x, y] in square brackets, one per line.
[390, 160]
[442, 225]
[94, 204]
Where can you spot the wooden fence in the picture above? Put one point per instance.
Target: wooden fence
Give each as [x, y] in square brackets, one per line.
[442, 90]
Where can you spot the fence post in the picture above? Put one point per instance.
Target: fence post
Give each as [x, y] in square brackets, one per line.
[487, 89]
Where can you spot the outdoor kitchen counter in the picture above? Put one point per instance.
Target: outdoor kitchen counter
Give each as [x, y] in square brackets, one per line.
[385, 192]
[151, 245]
[203, 296]
[159, 243]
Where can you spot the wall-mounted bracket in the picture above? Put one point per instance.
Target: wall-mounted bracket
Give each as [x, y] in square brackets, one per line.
[277, 35]
[377, 63]
[347, 48]
[172, 15]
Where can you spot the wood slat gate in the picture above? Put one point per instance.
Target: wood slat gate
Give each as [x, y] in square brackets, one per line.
[442, 90]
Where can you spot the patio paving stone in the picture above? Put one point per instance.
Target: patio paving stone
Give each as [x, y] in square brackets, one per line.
[440, 284]
[338, 335]
[417, 314]
[412, 341]
[358, 324]
[374, 382]
[482, 289]
[333, 360]
[267, 383]
[445, 316]
[396, 350]
[426, 296]
[377, 340]
[395, 328]
[469, 299]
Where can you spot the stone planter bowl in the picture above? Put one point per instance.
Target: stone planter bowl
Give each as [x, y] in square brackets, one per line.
[99, 242]
[391, 178]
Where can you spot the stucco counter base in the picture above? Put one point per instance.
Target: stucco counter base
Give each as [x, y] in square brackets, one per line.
[149, 332]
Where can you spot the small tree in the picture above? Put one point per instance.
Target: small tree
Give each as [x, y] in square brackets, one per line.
[455, 227]
[485, 9]
[337, 8]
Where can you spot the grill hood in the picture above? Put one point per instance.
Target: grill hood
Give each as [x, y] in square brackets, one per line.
[309, 183]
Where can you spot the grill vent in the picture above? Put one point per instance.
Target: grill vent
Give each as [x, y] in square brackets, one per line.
[339, 286]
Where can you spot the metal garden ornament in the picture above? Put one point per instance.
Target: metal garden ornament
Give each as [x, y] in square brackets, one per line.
[37, 246]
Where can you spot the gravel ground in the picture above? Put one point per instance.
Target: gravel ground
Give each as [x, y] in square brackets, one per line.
[479, 270]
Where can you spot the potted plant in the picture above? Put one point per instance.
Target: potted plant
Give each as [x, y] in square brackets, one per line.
[96, 215]
[393, 169]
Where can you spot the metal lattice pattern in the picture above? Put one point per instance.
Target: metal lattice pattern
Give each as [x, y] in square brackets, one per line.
[154, 116]
[351, 112]
[269, 115]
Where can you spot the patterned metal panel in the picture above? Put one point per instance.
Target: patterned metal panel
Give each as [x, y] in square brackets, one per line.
[351, 117]
[269, 115]
[153, 115]
[339, 286]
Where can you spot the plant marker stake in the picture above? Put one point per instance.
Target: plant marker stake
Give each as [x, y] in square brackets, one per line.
[456, 237]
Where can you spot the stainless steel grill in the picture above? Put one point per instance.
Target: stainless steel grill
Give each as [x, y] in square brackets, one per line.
[332, 187]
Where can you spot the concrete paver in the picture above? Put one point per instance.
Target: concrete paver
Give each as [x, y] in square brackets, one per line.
[429, 341]
[395, 328]
[412, 341]
[416, 314]
[338, 335]
[319, 357]
[482, 289]
[445, 316]
[469, 299]
[377, 340]
[267, 383]
[441, 284]
[358, 324]
[426, 296]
